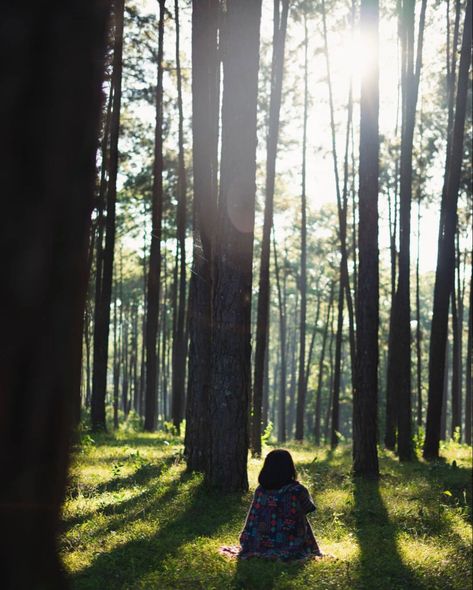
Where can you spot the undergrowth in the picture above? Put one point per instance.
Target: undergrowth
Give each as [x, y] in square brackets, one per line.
[134, 519]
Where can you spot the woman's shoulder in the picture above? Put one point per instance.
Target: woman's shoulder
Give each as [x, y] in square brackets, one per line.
[297, 487]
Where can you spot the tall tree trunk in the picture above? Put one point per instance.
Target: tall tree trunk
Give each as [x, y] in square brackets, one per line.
[179, 343]
[400, 356]
[456, 383]
[116, 364]
[342, 207]
[301, 383]
[318, 395]
[292, 384]
[468, 404]
[446, 253]
[418, 327]
[102, 309]
[277, 68]
[443, 419]
[205, 108]
[330, 382]
[49, 125]
[365, 396]
[231, 336]
[282, 345]
[154, 270]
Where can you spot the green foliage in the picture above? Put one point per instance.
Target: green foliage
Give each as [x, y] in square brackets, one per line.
[266, 436]
[135, 519]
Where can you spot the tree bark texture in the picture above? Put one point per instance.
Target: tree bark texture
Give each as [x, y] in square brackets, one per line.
[205, 104]
[365, 396]
[231, 298]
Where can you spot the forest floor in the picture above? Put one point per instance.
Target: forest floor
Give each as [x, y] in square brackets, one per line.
[134, 519]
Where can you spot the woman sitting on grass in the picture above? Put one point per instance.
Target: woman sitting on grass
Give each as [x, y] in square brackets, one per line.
[276, 526]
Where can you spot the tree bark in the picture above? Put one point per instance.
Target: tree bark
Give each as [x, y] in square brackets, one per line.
[365, 396]
[262, 323]
[154, 270]
[445, 259]
[49, 124]
[283, 349]
[231, 298]
[318, 396]
[179, 342]
[468, 404]
[205, 107]
[301, 383]
[102, 310]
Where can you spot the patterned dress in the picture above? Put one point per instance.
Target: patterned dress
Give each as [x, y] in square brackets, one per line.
[277, 526]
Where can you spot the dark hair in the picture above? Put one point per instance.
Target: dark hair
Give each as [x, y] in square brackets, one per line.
[278, 470]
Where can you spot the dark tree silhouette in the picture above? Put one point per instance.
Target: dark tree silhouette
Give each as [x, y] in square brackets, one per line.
[231, 300]
[365, 395]
[279, 39]
[154, 268]
[205, 101]
[49, 120]
[444, 276]
[103, 302]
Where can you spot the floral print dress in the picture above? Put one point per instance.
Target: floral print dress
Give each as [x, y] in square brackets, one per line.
[277, 526]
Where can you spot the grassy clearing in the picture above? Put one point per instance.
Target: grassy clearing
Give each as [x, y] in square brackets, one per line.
[134, 519]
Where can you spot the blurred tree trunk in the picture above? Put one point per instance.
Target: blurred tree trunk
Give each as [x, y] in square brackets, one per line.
[365, 395]
[103, 303]
[49, 124]
[262, 323]
[205, 108]
[301, 382]
[154, 269]
[446, 252]
[231, 297]
[179, 342]
[445, 389]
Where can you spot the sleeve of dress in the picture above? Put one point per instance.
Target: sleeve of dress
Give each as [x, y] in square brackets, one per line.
[307, 504]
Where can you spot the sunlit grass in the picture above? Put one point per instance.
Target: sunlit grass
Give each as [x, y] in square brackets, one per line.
[134, 519]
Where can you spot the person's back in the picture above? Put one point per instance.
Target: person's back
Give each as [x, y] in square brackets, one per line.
[276, 525]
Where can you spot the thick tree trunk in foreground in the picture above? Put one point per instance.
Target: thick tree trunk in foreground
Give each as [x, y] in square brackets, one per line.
[205, 101]
[154, 269]
[446, 253]
[102, 309]
[49, 121]
[365, 396]
[231, 299]
[279, 39]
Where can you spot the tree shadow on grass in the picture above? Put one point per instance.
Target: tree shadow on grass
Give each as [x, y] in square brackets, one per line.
[203, 514]
[380, 564]
[146, 474]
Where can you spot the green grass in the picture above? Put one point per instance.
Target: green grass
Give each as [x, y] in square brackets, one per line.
[134, 519]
